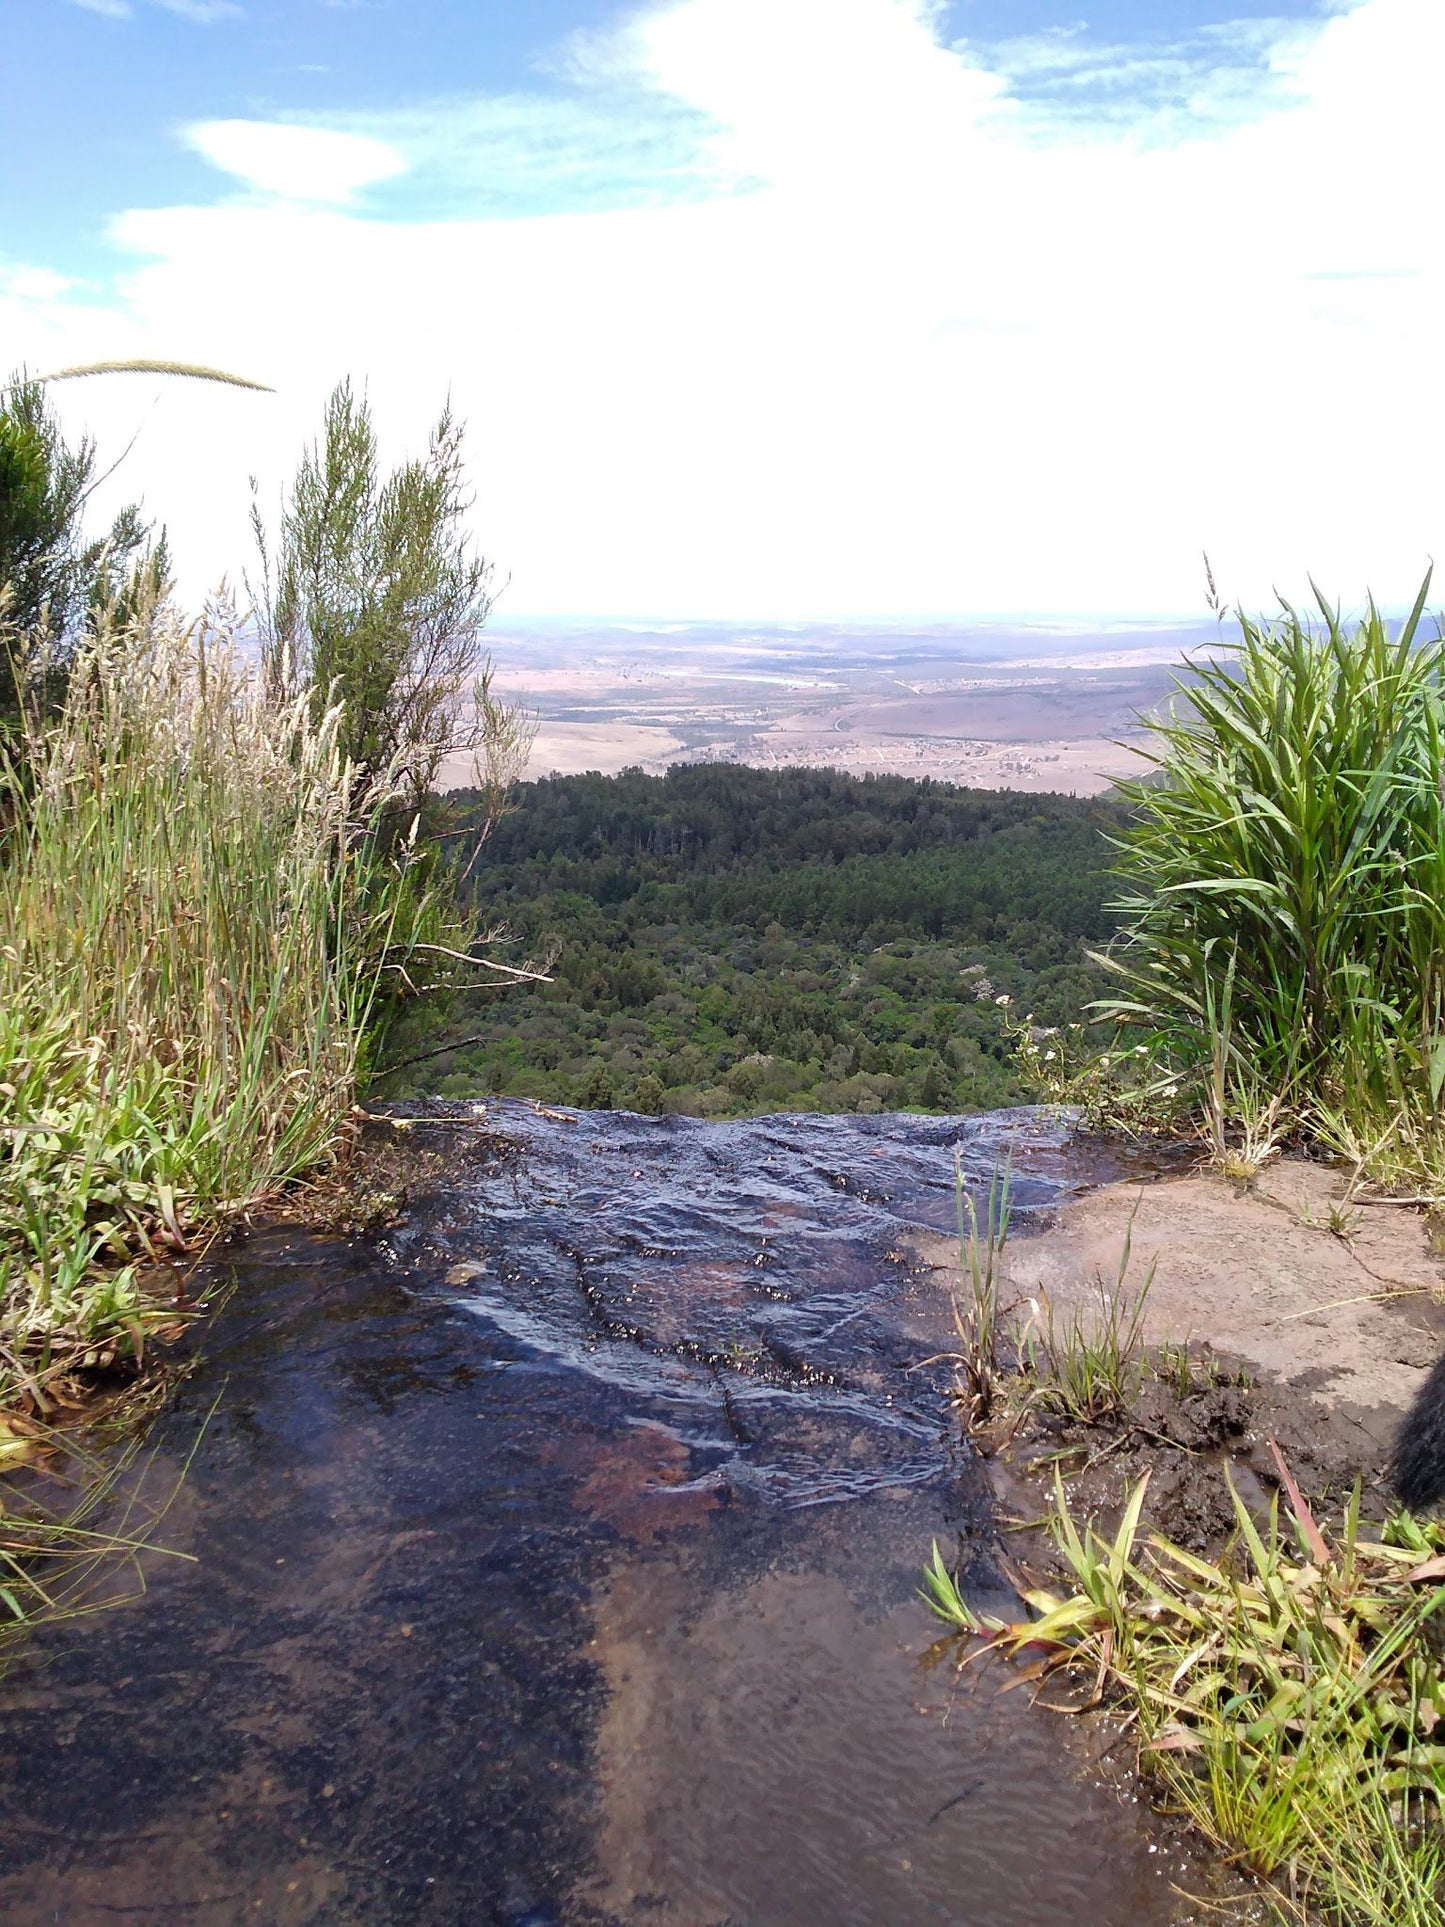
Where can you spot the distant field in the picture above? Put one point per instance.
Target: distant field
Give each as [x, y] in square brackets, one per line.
[989, 707]
[1034, 709]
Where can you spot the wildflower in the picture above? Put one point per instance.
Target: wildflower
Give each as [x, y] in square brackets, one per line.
[1005, 999]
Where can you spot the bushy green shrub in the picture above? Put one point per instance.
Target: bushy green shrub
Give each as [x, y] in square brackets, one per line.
[1283, 949]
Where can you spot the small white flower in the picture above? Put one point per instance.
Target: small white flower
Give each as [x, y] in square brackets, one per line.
[1049, 1056]
[1003, 1000]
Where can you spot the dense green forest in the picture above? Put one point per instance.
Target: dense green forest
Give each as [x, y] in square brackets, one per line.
[730, 940]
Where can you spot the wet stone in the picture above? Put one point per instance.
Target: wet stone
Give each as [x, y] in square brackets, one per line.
[552, 1558]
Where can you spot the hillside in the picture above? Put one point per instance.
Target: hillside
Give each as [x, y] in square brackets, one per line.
[730, 940]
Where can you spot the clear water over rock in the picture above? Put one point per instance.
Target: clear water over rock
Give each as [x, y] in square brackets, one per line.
[552, 1558]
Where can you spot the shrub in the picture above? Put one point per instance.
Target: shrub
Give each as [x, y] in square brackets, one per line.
[647, 1095]
[51, 573]
[376, 599]
[1284, 939]
[598, 1093]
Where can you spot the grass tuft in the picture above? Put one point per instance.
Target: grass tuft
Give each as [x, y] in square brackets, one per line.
[976, 1310]
[1087, 1368]
[1288, 1699]
[77, 1523]
[192, 932]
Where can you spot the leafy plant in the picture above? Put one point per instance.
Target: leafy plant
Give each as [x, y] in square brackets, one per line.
[1283, 951]
[1289, 1699]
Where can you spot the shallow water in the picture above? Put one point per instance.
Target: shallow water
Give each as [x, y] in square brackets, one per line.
[555, 1561]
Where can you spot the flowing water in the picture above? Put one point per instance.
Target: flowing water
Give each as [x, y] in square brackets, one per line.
[553, 1559]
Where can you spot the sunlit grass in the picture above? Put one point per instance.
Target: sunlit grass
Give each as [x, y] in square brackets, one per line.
[191, 936]
[1288, 1698]
[1281, 971]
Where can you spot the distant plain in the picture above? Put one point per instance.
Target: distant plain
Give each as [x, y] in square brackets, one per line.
[996, 707]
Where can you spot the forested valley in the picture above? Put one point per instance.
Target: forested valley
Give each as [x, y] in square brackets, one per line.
[726, 941]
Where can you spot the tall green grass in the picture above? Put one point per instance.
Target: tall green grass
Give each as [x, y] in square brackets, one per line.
[1283, 948]
[193, 927]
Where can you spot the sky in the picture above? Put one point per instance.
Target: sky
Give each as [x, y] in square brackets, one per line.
[765, 309]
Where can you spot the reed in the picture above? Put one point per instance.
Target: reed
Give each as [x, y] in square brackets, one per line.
[193, 929]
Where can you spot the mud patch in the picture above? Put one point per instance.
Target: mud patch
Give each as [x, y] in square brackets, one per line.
[1193, 1444]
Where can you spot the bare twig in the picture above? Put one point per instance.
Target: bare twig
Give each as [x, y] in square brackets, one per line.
[485, 963]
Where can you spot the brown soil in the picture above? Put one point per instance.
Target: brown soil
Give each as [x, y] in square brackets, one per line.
[1192, 1447]
[1301, 1336]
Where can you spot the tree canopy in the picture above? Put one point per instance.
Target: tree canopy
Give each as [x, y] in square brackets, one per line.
[53, 575]
[376, 597]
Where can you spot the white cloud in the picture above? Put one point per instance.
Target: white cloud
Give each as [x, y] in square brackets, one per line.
[1219, 74]
[299, 163]
[34, 284]
[909, 357]
[204, 12]
[611, 146]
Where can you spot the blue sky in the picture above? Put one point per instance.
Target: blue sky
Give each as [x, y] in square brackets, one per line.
[767, 307]
[109, 84]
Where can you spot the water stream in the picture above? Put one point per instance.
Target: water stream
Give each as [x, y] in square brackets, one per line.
[555, 1560]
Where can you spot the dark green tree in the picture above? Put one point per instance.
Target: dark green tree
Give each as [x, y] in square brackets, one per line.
[52, 575]
[598, 1093]
[647, 1095]
[934, 1092]
[375, 597]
